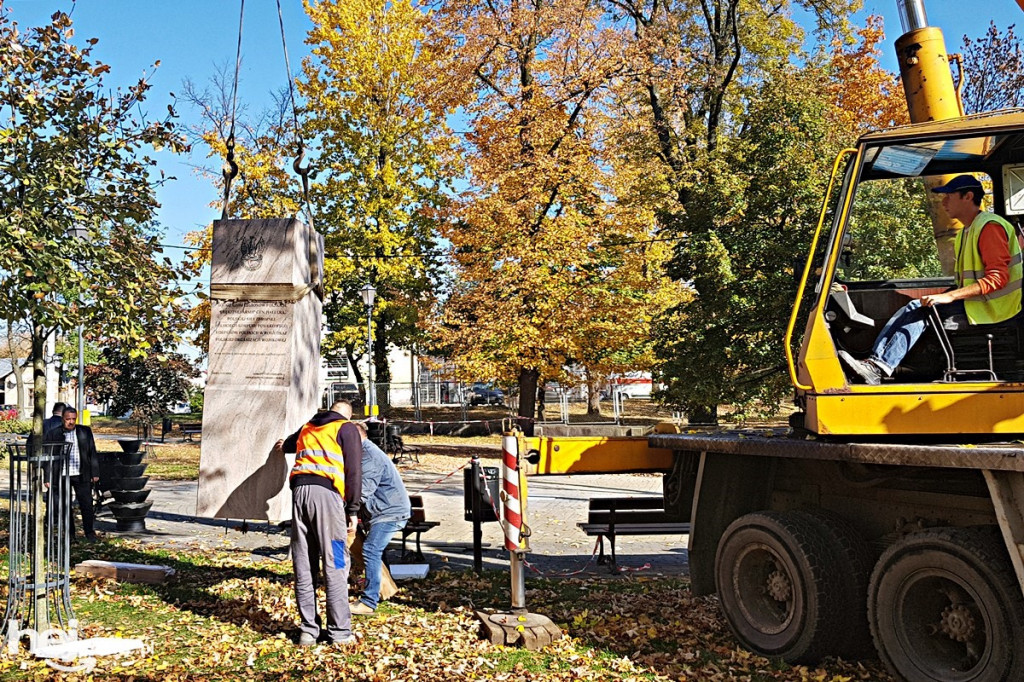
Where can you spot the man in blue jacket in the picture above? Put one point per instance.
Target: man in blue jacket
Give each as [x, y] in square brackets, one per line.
[386, 504]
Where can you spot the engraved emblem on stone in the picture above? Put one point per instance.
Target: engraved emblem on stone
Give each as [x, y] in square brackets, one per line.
[250, 249]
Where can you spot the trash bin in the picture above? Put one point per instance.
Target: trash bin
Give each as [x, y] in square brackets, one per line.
[375, 432]
[469, 486]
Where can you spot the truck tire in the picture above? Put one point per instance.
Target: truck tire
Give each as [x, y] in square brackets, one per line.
[778, 587]
[855, 563]
[944, 604]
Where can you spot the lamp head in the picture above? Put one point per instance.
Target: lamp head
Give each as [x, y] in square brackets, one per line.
[77, 232]
[369, 294]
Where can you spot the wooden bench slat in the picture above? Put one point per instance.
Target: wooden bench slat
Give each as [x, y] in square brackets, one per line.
[636, 528]
[628, 517]
[609, 517]
[626, 503]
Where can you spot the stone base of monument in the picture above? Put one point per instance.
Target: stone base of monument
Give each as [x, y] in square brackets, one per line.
[531, 631]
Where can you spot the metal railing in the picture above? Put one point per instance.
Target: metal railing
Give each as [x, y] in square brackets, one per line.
[38, 594]
[439, 400]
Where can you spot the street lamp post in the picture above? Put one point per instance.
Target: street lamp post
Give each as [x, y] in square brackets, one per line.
[369, 294]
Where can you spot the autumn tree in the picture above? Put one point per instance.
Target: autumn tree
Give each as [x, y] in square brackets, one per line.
[74, 155]
[747, 230]
[379, 123]
[147, 386]
[533, 237]
[993, 71]
[866, 96]
[612, 333]
[696, 70]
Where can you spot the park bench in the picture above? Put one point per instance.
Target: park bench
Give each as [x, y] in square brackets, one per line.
[608, 517]
[417, 525]
[396, 447]
[189, 429]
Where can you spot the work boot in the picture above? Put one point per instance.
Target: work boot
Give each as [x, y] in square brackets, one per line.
[358, 608]
[864, 370]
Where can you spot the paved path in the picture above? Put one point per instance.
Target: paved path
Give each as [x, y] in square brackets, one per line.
[556, 505]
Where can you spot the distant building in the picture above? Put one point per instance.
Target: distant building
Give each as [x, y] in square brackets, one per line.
[338, 378]
[9, 387]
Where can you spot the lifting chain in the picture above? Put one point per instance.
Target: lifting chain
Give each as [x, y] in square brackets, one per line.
[230, 168]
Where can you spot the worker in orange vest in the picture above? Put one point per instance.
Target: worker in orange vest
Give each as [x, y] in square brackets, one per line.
[326, 483]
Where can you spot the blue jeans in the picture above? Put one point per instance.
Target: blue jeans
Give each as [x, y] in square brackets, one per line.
[903, 330]
[374, 544]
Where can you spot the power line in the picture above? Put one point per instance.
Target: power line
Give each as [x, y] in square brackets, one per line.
[635, 242]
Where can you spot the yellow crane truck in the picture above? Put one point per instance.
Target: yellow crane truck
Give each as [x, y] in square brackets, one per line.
[891, 517]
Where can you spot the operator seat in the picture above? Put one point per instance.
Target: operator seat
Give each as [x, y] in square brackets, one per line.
[992, 352]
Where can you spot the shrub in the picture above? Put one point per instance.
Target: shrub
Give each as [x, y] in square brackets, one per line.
[9, 422]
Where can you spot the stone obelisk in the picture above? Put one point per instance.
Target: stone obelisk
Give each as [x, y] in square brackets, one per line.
[264, 363]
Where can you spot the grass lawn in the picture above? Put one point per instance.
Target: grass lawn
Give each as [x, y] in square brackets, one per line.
[226, 617]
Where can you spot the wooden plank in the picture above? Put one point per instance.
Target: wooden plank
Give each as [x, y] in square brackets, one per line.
[124, 572]
[622, 518]
[626, 503]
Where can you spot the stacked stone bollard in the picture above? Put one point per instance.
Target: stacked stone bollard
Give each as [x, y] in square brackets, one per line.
[128, 488]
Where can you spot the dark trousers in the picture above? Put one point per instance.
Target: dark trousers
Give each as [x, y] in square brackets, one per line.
[82, 488]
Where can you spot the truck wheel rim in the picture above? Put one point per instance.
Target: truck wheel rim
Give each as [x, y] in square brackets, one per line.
[940, 623]
[764, 589]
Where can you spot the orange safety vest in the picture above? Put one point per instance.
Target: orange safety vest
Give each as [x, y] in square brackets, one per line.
[317, 452]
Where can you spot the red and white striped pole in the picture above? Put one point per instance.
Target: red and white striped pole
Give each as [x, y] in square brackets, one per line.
[513, 499]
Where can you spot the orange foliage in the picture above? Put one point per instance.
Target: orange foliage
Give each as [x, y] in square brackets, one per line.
[867, 96]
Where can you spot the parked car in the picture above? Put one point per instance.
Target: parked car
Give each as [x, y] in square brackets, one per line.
[343, 390]
[485, 394]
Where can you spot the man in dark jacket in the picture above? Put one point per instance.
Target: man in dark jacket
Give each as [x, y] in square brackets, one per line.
[326, 492]
[82, 468]
[56, 417]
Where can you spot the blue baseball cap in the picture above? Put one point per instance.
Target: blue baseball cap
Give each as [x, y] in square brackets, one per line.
[960, 183]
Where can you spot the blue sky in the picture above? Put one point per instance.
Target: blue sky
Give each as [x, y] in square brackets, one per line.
[191, 37]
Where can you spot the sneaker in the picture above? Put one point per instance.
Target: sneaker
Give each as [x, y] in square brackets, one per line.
[864, 370]
[306, 639]
[346, 640]
[358, 608]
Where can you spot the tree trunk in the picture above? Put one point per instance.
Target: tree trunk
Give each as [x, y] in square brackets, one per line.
[540, 400]
[381, 368]
[41, 620]
[593, 395]
[38, 385]
[357, 377]
[527, 399]
[702, 414]
[18, 367]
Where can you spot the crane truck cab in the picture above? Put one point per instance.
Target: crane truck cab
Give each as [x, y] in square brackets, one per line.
[893, 519]
[880, 253]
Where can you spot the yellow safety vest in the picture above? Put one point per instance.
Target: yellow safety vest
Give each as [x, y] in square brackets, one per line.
[317, 452]
[998, 305]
